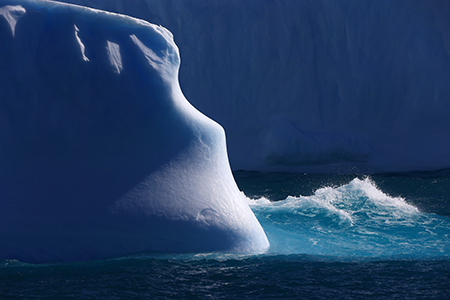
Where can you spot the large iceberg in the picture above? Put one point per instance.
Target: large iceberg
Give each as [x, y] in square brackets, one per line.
[100, 153]
[315, 85]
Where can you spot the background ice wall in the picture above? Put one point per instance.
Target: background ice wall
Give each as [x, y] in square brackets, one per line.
[315, 85]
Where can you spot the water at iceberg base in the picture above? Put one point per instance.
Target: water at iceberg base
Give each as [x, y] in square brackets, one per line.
[353, 220]
[332, 236]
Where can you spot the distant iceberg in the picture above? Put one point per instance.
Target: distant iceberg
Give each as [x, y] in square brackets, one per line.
[100, 153]
[364, 85]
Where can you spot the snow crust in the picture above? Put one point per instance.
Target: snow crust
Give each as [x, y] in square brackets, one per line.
[100, 153]
[315, 85]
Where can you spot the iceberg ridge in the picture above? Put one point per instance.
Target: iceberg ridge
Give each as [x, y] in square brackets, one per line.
[100, 153]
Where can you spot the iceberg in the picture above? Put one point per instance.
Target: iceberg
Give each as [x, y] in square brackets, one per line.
[101, 155]
[354, 86]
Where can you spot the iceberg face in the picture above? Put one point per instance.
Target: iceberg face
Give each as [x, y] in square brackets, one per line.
[100, 153]
[365, 84]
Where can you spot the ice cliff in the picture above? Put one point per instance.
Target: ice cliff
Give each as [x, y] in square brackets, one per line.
[100, 153]
[315, 85]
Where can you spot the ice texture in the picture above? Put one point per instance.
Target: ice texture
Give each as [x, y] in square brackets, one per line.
[351, 86]
[101, 155]
[12, 13]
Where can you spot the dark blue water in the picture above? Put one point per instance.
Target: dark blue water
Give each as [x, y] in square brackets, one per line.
[332, 236]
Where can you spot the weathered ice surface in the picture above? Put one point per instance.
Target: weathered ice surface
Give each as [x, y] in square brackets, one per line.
[315, 85]
[100, 153]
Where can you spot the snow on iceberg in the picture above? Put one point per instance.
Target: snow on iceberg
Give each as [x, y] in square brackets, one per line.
[365, 83]
[100, 153]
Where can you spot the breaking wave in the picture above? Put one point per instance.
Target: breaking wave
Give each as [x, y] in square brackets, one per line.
[356, 219]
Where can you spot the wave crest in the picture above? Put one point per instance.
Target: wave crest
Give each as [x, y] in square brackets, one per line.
[355, 219]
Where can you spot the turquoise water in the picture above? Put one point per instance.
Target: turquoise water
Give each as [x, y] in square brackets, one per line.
[353, 220]
[332, 236]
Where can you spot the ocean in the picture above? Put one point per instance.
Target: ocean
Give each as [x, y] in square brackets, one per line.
[384, 236]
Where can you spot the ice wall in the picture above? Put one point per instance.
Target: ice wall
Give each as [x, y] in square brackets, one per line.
[315, 85]
[100, 153]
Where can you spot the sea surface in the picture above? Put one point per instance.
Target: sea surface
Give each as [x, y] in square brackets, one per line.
[383, 236]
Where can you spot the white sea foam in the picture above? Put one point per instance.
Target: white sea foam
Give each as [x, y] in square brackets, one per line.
[356, 219]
